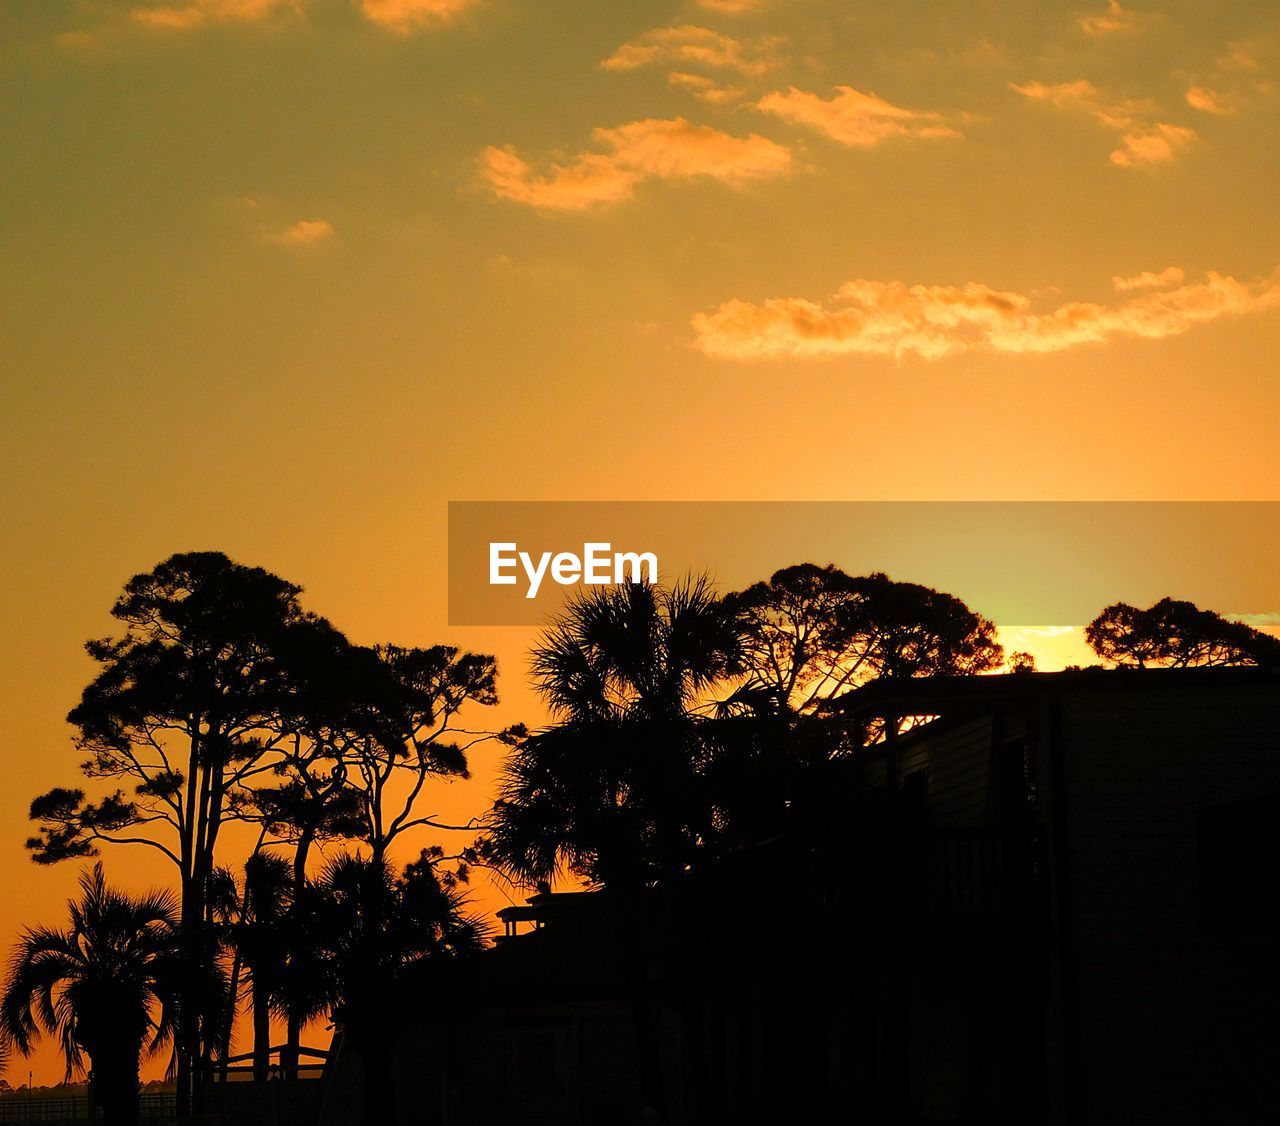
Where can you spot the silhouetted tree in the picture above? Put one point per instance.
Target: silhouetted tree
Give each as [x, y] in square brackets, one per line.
[610, 790]
[366, 927]
[914, 630]
[177, 713]
[332, 692]
[312, 803]
[810, 633]
[103, 987]
[399, 732]
[614, 789]
[1177, 634]
[303, 812]
[261, 939]
[800, 637]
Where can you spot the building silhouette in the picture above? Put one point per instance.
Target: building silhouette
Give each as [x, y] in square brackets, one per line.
[1042, 898]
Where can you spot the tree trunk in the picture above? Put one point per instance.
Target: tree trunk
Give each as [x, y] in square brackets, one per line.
[233, 1005]
[187, 1032]
[114, 1083]
[293, 1031]
[293, 1045]
[261, 1032]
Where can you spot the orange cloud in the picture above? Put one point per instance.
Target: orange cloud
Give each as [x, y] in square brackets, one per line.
[730, 7]
[852, 117]
[404, 17]
[77, 40]
[1155, 144]
[1265, 619]
[1143, 141]
[705, 89]
[1209, 101]
[688, 44]
[1241, 55]
[1108, 22]
[179, 17]
[303, 232]
[1171, 275]
[892, 318]
[639, 150]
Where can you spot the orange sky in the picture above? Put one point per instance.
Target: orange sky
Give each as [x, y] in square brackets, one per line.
[283, 277]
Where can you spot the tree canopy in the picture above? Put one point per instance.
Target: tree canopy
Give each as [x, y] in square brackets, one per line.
[611, 788]
[810, 633]
[1177, 634]
[683, 722]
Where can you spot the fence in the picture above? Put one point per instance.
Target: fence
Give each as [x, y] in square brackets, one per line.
[153, 1106]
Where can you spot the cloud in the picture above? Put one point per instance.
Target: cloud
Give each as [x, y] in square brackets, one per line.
[78, 40]
[1266, 619]
[404, 17]
[179, 17]
[1113, 19]
[730, 7]
[892, 318]
[1143, 140]
[1155, 144]
[1241, 55]
[688, 45]
[303, 232]
[706, 89]
[1209, 101]
[1171, 275]
[852, 117]
[639, 150]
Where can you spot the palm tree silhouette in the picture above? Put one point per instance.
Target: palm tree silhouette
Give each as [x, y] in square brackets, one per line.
[365, 927]
[261, 941]
[611, 789]
[101, 988]
[615, 789]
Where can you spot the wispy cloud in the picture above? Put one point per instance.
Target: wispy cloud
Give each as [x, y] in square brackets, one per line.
[1143, 139]
[1265, 619]
[1209, 101]
[654, 148]
[853, 117]
[706, 89]
[1112, 19]
[404, 17]
[892, 318]
[731, 7]
[179, 17]
[77, 40]
[1152, 144]
[691, 45]
[1048, 632]
[1170, 275]
[1241, 55]
[303, 233]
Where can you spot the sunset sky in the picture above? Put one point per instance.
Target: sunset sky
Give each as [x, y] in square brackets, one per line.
[283, 277]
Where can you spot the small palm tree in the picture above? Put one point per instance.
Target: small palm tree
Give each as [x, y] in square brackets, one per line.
[367, 926]
[261, 941]
[611, 790]
[103, 987]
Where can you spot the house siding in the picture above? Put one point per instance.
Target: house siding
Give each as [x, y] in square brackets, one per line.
[1139, 770]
